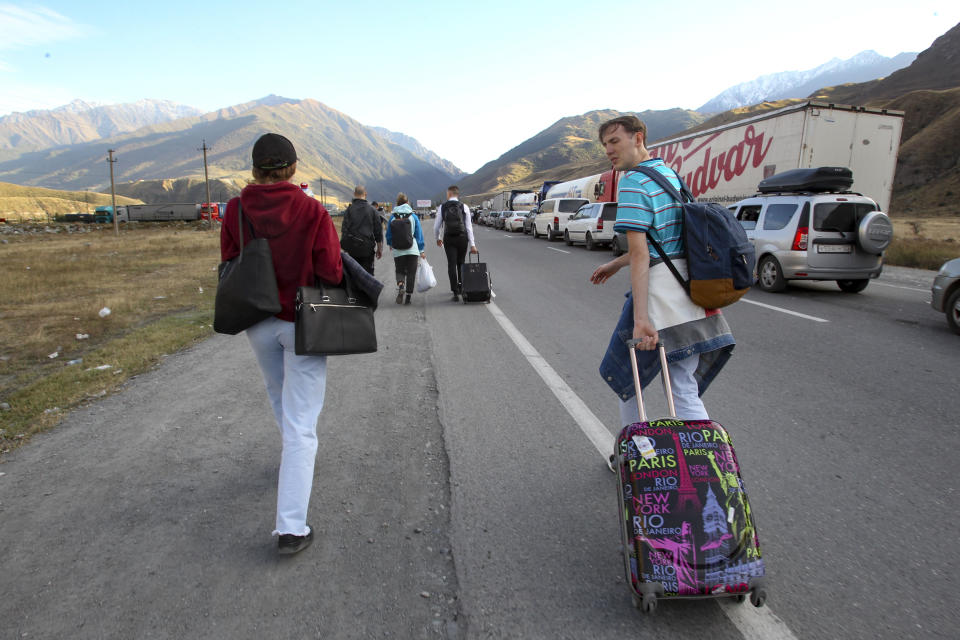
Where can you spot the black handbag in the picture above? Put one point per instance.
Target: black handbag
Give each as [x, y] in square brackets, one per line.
[333, 321]
[247, 287]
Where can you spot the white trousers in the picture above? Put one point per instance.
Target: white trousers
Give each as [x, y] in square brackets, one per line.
[686, 398]
[295, 385]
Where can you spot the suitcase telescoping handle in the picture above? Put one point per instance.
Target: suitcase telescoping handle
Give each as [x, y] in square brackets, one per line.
[664, 372]
[471, 254]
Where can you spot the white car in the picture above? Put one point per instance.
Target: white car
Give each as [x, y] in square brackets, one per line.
[513, 220]
[592, 225]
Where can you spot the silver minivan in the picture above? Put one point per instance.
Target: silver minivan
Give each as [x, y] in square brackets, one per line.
[815, 236]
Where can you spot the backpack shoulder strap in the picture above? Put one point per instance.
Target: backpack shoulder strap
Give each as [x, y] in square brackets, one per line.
[681, 196]
[664, 183]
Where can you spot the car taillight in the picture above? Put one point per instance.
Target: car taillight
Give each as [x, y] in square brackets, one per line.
[600, 224]
[556, 220]
[800, 239]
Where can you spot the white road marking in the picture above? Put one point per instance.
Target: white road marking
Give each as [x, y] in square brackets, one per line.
[782, 310]
[753, 623]
[588, 422]
[555, 249]
[898, 286]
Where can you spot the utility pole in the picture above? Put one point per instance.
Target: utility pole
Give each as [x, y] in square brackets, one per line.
[322, 201]
[206, 180]
[113, 194]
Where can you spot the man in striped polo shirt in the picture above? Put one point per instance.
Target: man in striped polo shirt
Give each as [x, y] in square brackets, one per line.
[658, 309]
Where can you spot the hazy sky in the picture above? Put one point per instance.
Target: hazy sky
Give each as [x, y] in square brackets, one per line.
[469, 80]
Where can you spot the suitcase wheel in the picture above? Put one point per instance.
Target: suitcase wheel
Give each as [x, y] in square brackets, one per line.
[647, 604]
[758, 597]
[741, 598]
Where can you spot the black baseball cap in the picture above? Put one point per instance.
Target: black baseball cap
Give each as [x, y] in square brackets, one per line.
[273, 151]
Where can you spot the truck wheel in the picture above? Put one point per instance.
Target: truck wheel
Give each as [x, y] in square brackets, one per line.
[550, 234]
[533, 231]
[589, 243]
[771, 275]
[953, 311]
[852, 286]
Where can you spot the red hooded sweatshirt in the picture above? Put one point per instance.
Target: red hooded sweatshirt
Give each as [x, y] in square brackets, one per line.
[303, 240]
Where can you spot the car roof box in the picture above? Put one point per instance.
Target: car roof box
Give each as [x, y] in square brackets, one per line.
[813, 179]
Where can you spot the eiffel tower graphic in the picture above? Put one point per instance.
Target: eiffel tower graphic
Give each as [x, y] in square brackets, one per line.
[687, 493]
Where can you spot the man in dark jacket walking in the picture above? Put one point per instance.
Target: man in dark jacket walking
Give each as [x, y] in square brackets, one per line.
[361, 232]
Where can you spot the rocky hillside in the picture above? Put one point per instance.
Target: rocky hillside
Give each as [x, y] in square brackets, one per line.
[17, 200]
[80, 122]
[182, 189]
[564, 146]
[331, 146]
[928, 91]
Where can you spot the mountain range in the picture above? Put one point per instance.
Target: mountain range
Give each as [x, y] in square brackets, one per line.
[413, 146]
[866, 65]
[80, 122]
[333, 149]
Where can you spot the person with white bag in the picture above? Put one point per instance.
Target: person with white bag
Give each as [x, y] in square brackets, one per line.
[405, 238]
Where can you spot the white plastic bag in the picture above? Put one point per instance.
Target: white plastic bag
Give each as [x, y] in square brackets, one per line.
[425, 278]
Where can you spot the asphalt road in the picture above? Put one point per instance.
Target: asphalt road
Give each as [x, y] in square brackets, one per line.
[458, 496]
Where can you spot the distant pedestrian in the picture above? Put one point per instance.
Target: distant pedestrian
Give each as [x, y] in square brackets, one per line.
[361, 233]
[698, 341]
[304, 245]
[405, 237]
[453, 230]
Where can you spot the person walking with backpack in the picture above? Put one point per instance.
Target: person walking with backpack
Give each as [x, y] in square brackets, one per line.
[361, 231]
[303, 244]
[453, 230]
[698, 341]
[405, 237]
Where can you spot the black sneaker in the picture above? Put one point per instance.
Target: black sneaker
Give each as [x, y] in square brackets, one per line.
[288, 544]
[407, 299]
[455, 298]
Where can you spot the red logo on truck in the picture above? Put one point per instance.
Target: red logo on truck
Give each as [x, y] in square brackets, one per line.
[710, 170]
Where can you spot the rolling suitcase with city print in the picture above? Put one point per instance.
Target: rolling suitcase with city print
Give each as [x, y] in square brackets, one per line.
[686, 524]
[476, 281]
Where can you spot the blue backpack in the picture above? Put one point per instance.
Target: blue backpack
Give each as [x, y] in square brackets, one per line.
[721, 261]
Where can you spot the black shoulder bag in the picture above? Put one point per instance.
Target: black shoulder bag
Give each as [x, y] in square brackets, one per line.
[333, 321]
[247, 287]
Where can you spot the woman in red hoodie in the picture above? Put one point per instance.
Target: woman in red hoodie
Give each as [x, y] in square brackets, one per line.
[305, 246]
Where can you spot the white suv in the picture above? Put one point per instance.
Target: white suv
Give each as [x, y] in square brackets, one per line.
[815, 236]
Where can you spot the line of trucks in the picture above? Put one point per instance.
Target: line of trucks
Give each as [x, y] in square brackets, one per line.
[151, 212]
[724, 164]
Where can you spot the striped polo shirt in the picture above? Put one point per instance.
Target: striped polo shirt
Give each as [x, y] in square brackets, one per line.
[642, 205]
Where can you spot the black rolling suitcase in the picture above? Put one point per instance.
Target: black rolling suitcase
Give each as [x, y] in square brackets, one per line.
[812, 179]
[476, 281]
[686, 524]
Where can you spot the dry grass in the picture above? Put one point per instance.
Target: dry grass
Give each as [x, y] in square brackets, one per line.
[157, 280]
[924, 243]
